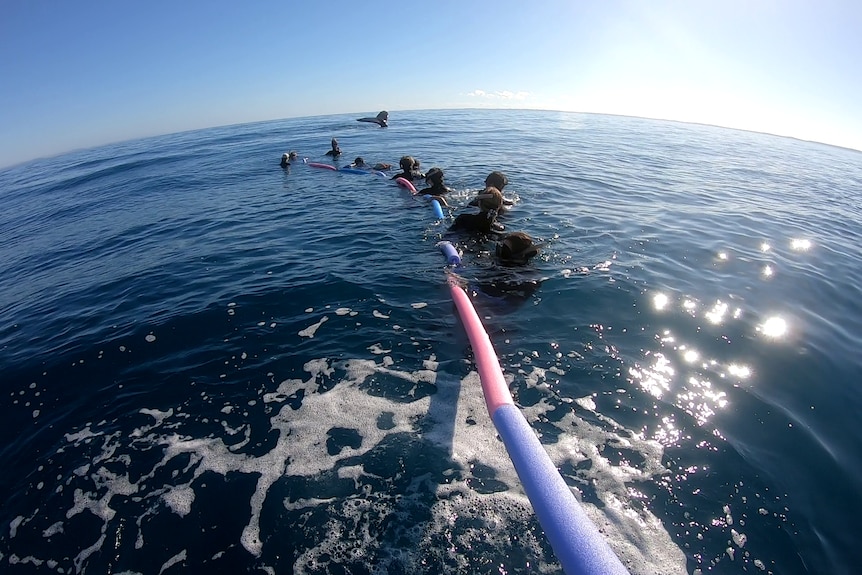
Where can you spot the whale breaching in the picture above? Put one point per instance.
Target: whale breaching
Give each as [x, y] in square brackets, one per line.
[382, 119]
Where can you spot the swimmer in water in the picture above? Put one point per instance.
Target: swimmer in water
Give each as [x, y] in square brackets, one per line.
[509, 287]
[485, 222]
[496, 180]
[286, 159]
[436, 187]
[409, 169]
[335, 151]
[361, 164]
[516, 249]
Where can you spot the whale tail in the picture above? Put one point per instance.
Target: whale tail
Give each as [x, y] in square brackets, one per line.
[382, 119]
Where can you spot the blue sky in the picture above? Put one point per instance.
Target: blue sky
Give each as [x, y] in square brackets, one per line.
[84, 73]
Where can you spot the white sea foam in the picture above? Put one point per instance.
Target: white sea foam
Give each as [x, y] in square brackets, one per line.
[15, 560]
[53, 529]
[82, 557]
[453, 419]
[180, 499]
[622, 520]
[82, 435]
[312, 329]
[13, 525]
[178, 558]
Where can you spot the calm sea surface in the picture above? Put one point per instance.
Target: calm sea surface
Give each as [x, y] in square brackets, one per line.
[210, 364]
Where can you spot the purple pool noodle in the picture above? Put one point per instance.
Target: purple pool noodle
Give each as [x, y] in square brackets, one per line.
[577, 542]
[452, 257]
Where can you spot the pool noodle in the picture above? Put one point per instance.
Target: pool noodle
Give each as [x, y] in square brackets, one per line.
[452, 257]
[577, 542]
[322, 166]
[437, 209]
[493, 385]
[404, 183]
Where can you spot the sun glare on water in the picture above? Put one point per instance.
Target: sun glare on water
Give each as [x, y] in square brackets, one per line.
[774, 327]
[800, 245]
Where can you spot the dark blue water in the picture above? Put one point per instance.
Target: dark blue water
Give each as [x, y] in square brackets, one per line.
[211, 364]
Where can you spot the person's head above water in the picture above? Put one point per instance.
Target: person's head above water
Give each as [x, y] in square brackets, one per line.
[434, 176]
[497, 180]
[515, 249]
[489, 199]
[359, 162]
[335, 151]
[291, 155]
[407, 163]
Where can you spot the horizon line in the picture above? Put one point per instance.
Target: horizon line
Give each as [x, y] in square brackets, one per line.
[483, 108]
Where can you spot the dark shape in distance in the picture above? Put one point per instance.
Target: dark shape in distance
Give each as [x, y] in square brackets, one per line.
[382, 119]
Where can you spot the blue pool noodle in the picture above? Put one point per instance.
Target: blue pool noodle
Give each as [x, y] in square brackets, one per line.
[452, 257]
[577, 542]
[435, 207]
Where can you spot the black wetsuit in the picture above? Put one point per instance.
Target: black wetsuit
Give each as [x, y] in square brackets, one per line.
[436, 190]
[483, 223]
[410, 175]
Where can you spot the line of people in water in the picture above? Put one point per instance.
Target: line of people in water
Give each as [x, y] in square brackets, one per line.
[515, 248]
[512, 249]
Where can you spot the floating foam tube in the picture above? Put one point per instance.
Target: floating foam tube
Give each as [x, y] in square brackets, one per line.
[322, 166]
[579, 546]
[493, 385]
[354, 171]
[406, 184]
[435, 206]
[437, 209]
[452, 257]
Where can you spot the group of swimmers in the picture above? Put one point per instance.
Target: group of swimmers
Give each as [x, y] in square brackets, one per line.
[512, 249]
[516, 248]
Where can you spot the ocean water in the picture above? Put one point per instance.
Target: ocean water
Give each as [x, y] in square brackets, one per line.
[211, 364]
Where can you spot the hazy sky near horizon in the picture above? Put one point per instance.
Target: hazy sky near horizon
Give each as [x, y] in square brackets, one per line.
[84, 73]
